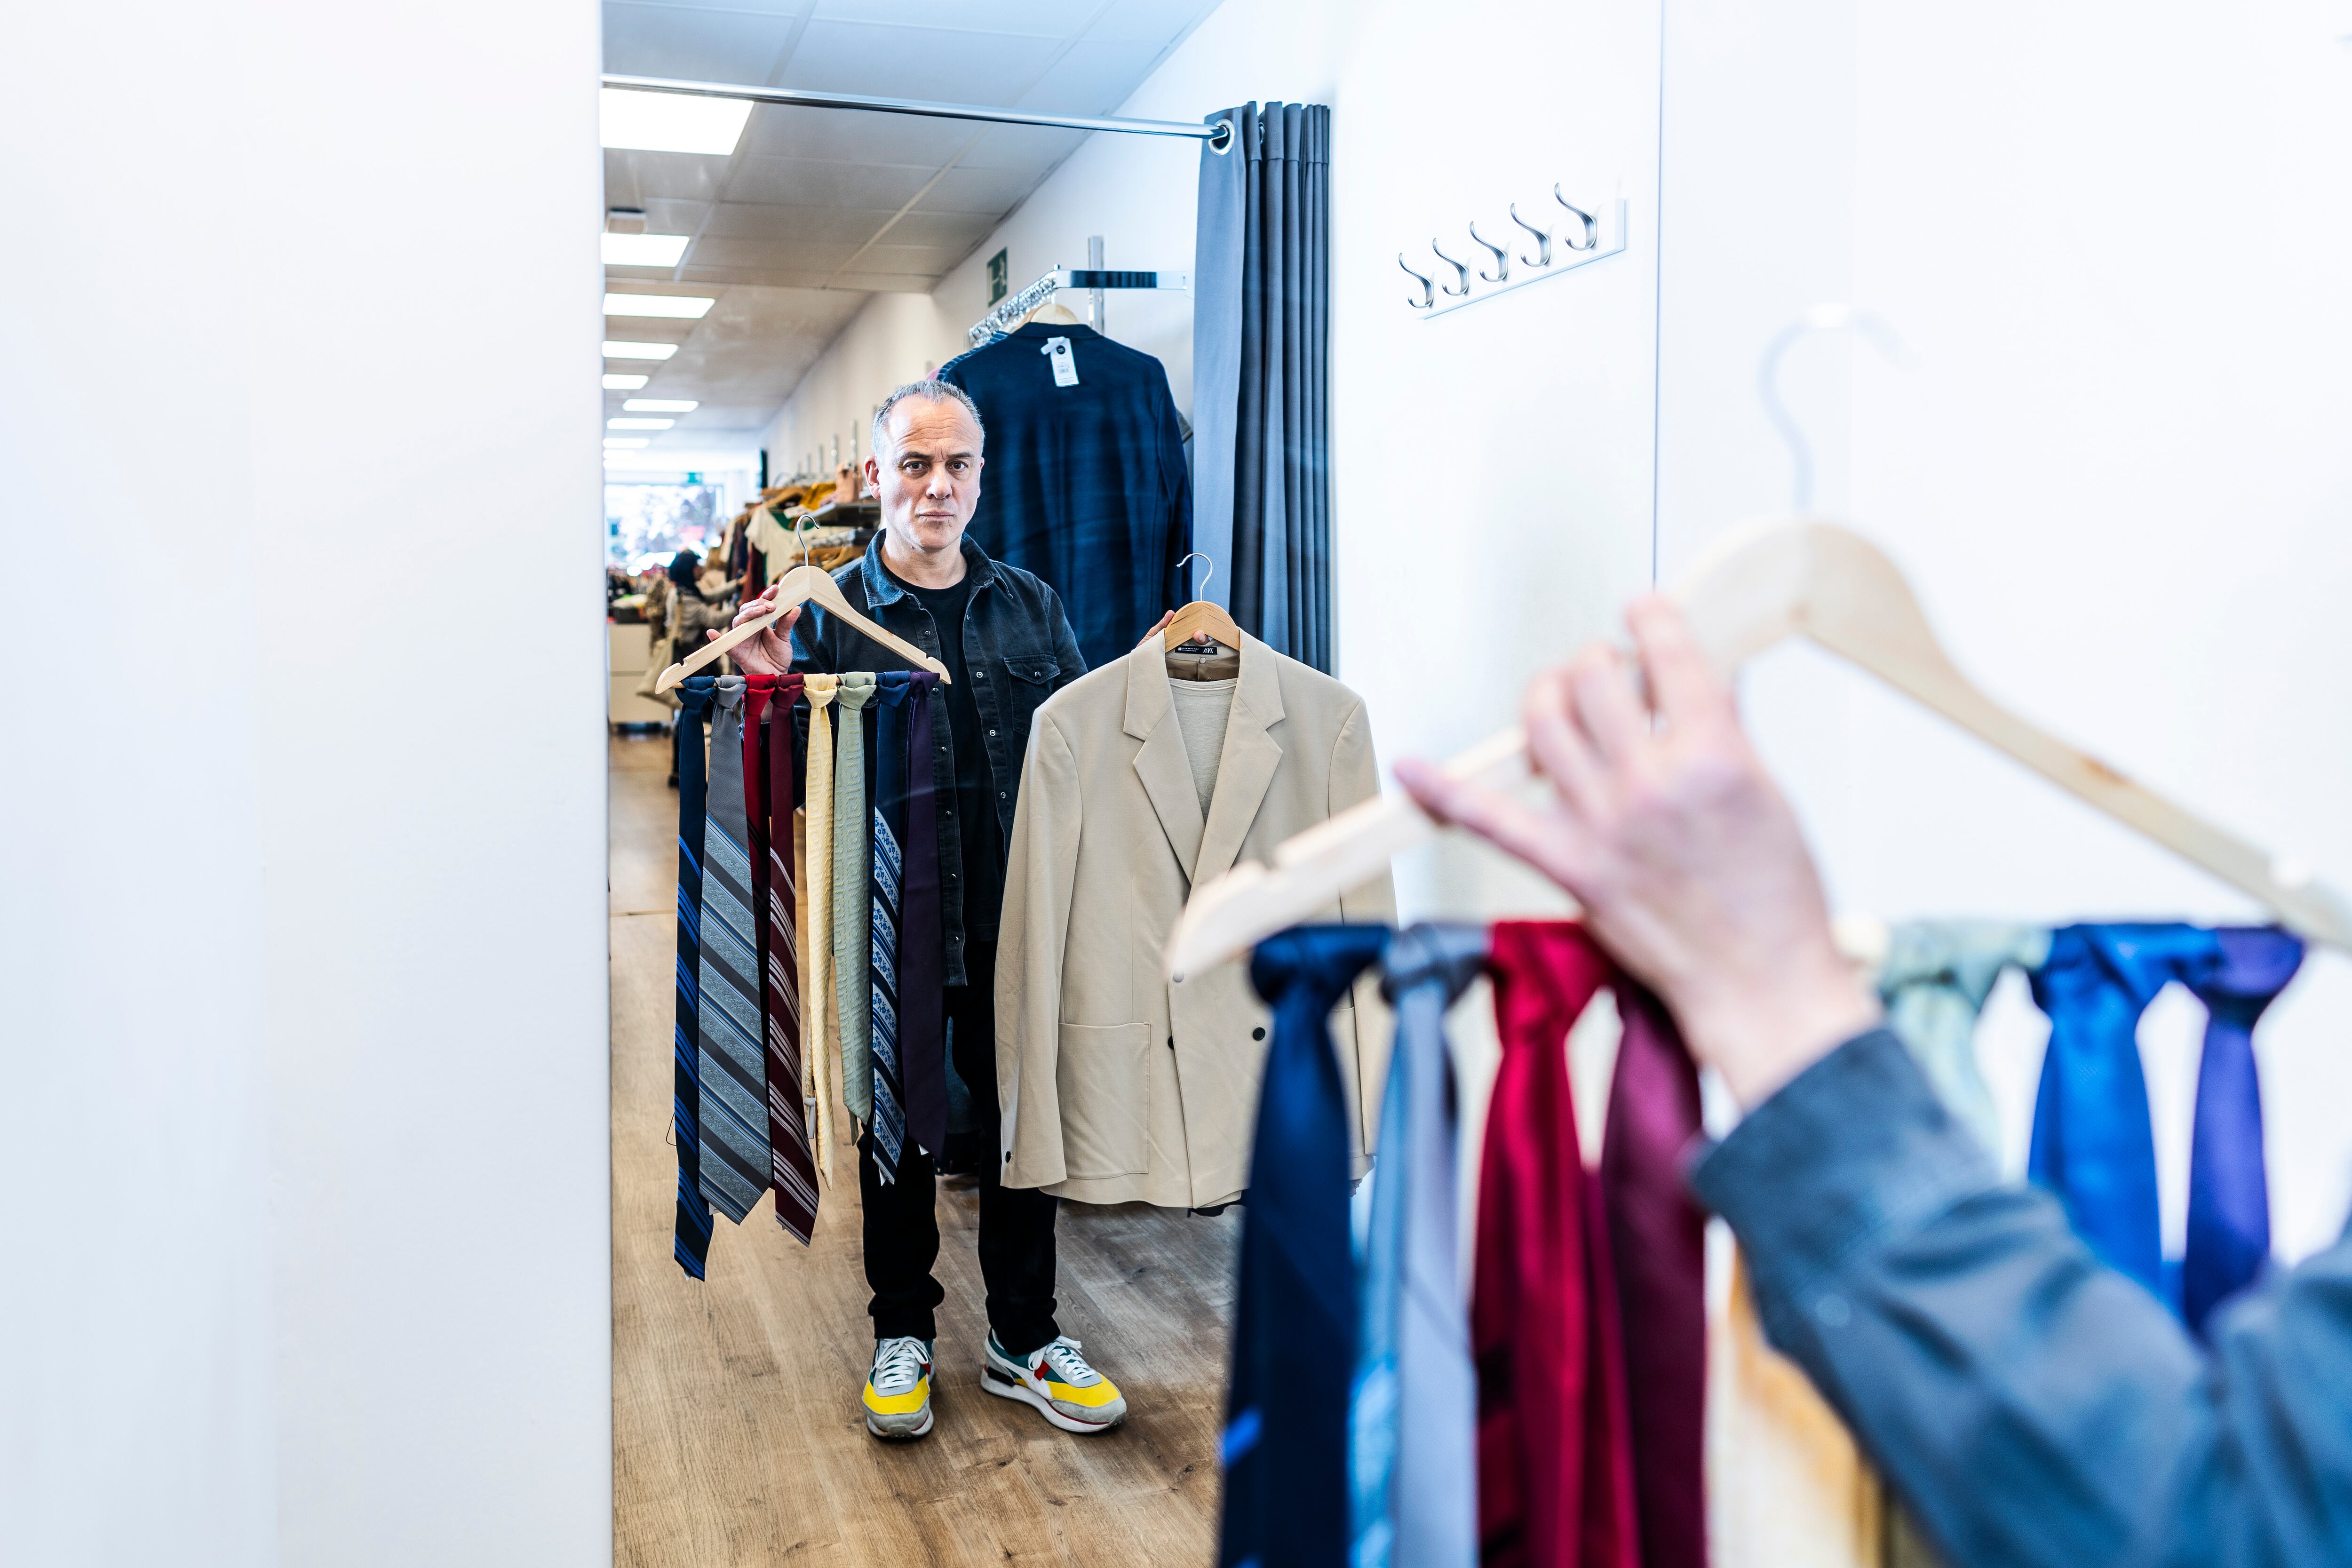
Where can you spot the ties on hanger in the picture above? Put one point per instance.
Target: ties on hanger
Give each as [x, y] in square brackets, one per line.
[690, 1243]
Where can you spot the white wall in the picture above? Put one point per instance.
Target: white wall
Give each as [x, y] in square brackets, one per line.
[305, 1166]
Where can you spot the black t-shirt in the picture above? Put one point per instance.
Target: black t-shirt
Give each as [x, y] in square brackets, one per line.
[974, 807]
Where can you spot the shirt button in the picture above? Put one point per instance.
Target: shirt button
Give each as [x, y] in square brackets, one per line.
[1258, 1034]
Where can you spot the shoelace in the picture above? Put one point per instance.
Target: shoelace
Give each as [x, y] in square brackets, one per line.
[1069, 1366]
[897, 1365]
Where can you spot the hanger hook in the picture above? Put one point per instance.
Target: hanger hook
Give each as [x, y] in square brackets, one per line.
[1592, 229]
[1428, 288]
[1502, 258]
[1543, 258]
[1819, 318]
[1202, 587]
[1461, 268]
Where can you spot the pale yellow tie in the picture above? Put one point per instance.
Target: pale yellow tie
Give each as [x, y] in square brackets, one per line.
[819, 1041]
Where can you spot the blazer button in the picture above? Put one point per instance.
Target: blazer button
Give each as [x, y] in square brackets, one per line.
[1258, 1034]
[1172, 1042]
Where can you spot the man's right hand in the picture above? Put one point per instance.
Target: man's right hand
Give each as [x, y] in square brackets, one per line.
[771, 652]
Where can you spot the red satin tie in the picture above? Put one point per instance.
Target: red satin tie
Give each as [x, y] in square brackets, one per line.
[1588, 1296]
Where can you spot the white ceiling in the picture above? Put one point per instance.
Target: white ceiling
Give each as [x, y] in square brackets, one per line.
[818, 208]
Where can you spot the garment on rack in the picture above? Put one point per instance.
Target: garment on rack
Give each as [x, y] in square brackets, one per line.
[1117, 1086]
[691, 1242]
[820, 1031]
[1933, 982]
[1296, 1313]
[731, 1056]
[1414, 1409]
[852, 941]
[1588, 1296]
[1087, 486]
[767, 785]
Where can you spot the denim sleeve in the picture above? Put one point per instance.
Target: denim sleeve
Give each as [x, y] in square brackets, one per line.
[2031, 1405]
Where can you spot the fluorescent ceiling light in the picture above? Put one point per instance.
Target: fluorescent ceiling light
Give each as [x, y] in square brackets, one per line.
[638, 423]
[620, 383]
[612, 441]
[661, 405]
[638, 350]
[679, 307]
[672, 121]
[644, 250]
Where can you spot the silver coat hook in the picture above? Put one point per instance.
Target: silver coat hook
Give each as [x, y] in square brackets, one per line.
[1428, 286]
[1461, 268]
[1592, 229]
[1820, 318]
[1502, 258]
[1543, 258]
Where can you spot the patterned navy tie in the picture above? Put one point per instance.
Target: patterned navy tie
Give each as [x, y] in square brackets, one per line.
[733, 1056]
[885, 883]
[691, 1245]
[768, 784]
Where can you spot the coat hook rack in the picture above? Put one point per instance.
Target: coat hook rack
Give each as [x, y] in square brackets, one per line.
[1583, 240]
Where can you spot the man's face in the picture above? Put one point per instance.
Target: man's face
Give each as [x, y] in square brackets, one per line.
[929, 483]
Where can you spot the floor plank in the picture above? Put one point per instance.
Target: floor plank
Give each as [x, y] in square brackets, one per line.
[736, 1435]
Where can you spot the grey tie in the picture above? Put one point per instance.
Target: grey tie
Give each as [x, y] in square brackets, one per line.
[850, 912]
[1416, 1411]
[733, 1056]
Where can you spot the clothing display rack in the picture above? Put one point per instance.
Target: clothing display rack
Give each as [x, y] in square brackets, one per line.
[1219, 135]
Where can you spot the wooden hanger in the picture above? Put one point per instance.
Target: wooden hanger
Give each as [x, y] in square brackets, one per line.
[1201, 618]
[801, 585]
[1768, 580]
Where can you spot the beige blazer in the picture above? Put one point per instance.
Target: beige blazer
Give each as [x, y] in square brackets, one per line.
[1115, 1085]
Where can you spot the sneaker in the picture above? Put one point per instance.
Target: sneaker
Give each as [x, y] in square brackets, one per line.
[1066, 1391]
[898, 1389]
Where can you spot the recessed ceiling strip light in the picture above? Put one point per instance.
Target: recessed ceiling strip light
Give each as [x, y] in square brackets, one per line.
[616, 382]
[661, 405]
[638, 423]
[644, 250]
[638, 350]
[678, 307]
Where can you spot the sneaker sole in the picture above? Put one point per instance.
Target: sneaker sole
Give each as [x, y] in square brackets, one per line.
[922, 1431]
[1005, 1387]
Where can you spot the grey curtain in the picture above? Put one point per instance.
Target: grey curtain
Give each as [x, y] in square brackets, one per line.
[1260, 369]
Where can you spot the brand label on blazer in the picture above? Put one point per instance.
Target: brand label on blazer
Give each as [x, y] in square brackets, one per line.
[1066, 368]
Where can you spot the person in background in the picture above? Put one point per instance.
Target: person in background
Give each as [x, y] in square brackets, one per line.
[1007, 647]
[2031, 1405]
[693, 618]
[714, 583]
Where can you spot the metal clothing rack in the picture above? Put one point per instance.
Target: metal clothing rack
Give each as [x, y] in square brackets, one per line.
[1219, 135]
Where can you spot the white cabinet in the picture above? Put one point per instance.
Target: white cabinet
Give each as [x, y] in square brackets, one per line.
[626, 651]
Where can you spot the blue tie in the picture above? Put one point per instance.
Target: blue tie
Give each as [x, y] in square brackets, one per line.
[691, 1243]
[1414, 1416]
[2229, 1196]
[2092, 1141]
[1286, 1442]
[733, 1040]
[885, 881]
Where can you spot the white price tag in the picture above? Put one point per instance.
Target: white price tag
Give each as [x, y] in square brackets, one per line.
[1066, 368]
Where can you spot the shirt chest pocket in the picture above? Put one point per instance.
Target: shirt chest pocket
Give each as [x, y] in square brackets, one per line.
[1031, 682]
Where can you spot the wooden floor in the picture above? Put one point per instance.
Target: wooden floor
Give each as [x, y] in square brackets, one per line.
[737, 1437]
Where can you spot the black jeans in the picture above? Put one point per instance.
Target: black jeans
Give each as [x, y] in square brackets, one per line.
[1016, 1224]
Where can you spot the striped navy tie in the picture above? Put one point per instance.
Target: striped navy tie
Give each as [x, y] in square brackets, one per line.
[733, 1056]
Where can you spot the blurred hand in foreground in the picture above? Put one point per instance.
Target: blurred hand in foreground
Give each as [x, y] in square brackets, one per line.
[1689, 863]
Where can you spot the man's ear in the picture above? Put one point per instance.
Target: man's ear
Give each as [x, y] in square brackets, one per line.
[872, 475]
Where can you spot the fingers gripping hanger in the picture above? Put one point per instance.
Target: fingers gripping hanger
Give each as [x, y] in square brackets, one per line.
[1201, 618]
[1768, 580]
[801, 585]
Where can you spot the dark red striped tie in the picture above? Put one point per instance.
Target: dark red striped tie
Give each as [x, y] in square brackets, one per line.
[792, 1169]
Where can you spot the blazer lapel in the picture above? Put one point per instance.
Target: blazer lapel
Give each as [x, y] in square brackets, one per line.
[1245, 771]
[1167, 776]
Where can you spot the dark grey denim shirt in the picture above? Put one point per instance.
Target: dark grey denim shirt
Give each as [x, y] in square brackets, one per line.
[2031, 1405]
[1019, 647]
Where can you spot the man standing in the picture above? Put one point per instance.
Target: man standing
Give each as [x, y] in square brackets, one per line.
[1007, 646]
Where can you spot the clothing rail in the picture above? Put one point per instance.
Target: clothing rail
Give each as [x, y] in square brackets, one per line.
[1219, 135]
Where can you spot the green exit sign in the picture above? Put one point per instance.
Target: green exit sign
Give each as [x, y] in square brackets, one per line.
[999, 278]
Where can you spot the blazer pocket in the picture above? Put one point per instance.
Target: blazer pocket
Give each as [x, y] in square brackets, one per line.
[1104, 1076]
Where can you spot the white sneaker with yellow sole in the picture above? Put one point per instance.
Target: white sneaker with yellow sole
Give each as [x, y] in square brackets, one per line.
[1057, 1379]
[898, 1389]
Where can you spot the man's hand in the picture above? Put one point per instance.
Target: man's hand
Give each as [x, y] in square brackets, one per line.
[771, 652]
[1688, 861]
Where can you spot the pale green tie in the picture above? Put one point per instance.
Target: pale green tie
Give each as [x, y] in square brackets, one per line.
[849, 894]
[1934, 982]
